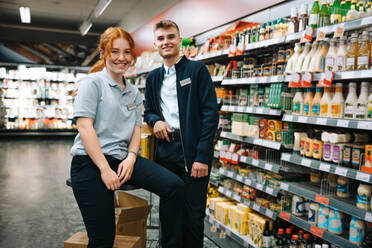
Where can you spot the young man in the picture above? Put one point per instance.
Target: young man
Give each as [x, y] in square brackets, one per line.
[181, 106]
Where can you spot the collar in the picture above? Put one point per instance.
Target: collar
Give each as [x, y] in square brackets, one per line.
[112, 83]
[173, 68]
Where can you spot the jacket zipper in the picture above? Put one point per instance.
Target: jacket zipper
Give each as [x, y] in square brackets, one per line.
[183, 150]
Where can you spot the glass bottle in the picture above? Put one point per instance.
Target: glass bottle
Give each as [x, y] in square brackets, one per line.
[341, 55]
[293, 25]
[362, 104]
[325, 103]
[364, 52]
[308, 102]
[320, 57]
[314, 15]
[352, 53]
[351, 101]
[336, 15]
[337, 103]
[330, 61]
[324, 16]
[315, 109]
[308, 58]
[352, 14]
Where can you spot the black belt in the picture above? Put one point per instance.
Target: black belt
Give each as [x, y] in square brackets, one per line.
[175, 136]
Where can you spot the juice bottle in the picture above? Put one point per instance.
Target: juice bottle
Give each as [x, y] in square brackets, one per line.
[330, 61]
[290, 68]
[301, 58]
[370, 104]
[341, 55]
[314, 14]
[309, 56]
[351, 101]
[298, 102]
[352, 53]
[324, 16]
[362, 104]
[308, 102]
[337, 103]
[315, 109]
[325, 103]
[336, 15]
[364, 52]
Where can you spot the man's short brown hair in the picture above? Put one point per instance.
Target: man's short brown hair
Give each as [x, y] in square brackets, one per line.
[166, 24]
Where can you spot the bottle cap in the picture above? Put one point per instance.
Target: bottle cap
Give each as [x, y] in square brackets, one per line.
[280, 231]
[295, 237]
[288, 231]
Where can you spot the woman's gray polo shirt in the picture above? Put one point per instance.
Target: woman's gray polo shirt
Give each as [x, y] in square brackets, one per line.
[115, 113]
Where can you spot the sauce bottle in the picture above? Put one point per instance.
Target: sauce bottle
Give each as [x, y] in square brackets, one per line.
[319, 63]
[343, 187]
[352, 53]
[337, 103]
[293, 25]
[304, 18]
[308, 102]
[369, 115]
[362, 104]
[298, 102]
[315, 109]
[301, 58]
[341, 55]
[324, 16]
[309, 143]
[352, 14]
[351, 102]
[314, 15]
[364, 52]
[335, 221]
[330, 63]
[290, 68]
[325, 103]
[364, 196]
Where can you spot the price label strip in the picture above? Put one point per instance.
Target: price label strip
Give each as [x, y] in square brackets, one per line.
[307, 78]
[295, 81]
[306, 162]
[342, 123]
[286, 156]
[285, 216]
[363, 176]
[324, 167]
[341, 171]
[321, 121]
[316, 231]
[322, 199]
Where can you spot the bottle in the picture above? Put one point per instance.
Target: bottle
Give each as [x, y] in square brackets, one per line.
[290, 68]
[352, 53]
[298, 205]
[330, 61]
[364, 196]
[324, 16]
[279, 241]
[370, 104]
[315, 109]
[304, 18]
[314, 14]
[364, 52]
[308, 102]
[323, 217]
[362, 13]
[294, 242]
[309, 143]
[293, 25]
[356, 232]
[318, 146]
[266, 236]
[335, 221]
[337, 103]
[287, 237]
[336, 15]
[309, 56]
[298, 102]
[332, 180]
[319, 63]
[352, 14]
[313, 213]
[315, 176]
[300, 61]
[343, 11]
[351, 102]
[343, 187]
[362, 104]
[306, 243]
[325, 103]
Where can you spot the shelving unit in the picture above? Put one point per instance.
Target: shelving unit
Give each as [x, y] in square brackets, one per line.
[251, 110]
[253, 141]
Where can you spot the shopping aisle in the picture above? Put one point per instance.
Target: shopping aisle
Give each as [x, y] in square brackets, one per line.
[37, 209]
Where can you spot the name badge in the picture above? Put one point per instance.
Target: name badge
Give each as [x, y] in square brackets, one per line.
[131, 106]
[185, 82]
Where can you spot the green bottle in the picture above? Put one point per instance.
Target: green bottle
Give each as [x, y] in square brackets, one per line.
[336, 13]
[324, 16]
[314, 15]
[348, 5]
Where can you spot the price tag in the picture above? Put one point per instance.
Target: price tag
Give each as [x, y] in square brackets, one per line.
[307, 35]
[222, 235]
[228, 232]
[228, 193]
[259, 110]
[231, 108]
[288, 117]
[249, 109]
[328, 78]
[365, 125]
[228, 156]
[321, 121]
[224, 108]
[307, 78]
[236, 198]
[368, 217]
[240, 109]
[256, 207]
[269, 190]
[341, 171]
[230, 174]
[339, 31]
[366, 21]
[269, 213]
[284, 186]
[257, 142]
[295, 80]
[244, 159]
[363, 176]
[239, 178]
[222, 155]
[320, 35]
[324, 167]
[221, 171]
[213, 228]
[306, 162]
[248, 181]
[255, 162]
[302, 119]
[259, 186]
[235, 158]
[316, 231]
[268, 166]
[285, 216]
[342, 123]
[273, 112]
[322, 199]
[286, 156]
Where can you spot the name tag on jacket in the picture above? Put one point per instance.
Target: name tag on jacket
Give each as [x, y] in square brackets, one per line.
[131, 106]
[185, 82]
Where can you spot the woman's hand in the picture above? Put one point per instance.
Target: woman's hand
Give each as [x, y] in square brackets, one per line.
[125, 169]
[110, 179]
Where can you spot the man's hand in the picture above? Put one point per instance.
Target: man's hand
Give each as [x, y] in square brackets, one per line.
[110, 179]
[199, 170]
[161, 130]
[125, 169]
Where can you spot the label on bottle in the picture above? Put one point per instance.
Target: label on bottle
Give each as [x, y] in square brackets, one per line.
[350, 63]
[316, 150]
[322, 63]
[363, 201]
[327, 152]
[355, 157]
[361, 111]
[336, 154]
[335, 109]
[340, 63]
[315, 109]
[314, 20]
[296, 108]
[347, 155]
[324, 109]
[349, 110]
[362, 62]
[266, 241]
[335, 223]
[370, 109]
[300, 207]
[306, 109]
[330, 62]
[322, 220]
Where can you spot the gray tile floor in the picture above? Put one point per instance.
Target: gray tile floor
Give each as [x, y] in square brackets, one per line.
[37, 209]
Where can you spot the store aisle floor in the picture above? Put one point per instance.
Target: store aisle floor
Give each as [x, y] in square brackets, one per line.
[37, 209]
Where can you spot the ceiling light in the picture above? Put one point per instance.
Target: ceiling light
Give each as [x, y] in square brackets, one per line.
[84, 27]
[25, 14]
[100, 7]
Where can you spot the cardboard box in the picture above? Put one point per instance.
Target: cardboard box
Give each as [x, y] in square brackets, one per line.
[131, 216]
[80, 240]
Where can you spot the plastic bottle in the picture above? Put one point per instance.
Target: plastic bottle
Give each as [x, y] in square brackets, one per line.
[364, 196]
[309, 143]
[298, 205]
[343, 187]
[315, 109]
[301, 58]
[362, 104]
[338, 103]
[341, 55]
[309, 57]
[351, 102]
[298, 102]
[352, 53]
[325, 103]
[323, 217]
[330, 60]
[364, 52]
[335, 221]
[313, 213]
[356, 232]
[362, 13]
[370, 104]
[319, 64]
[292, 62]
[352, 14]
[308, 102]
[314, 14]
[318, 146]
[324, 15]
[294, 242]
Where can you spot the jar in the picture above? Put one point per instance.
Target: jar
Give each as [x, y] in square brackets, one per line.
[313, 213]
[364, 197]
[236, 73]
[323, 217]
[343, 187]
[267, 71]
[257, 71]
[298, 205]
[282, 55]
[280, 68]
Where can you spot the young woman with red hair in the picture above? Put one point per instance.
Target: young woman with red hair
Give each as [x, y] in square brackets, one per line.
[108, 110]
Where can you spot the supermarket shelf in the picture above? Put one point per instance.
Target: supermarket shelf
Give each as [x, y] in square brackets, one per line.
[349, 25]
[327, 167]
[252, 110]
[249, 182]
[217, 78]
[256, 80]
[311, 192]
[330, 237]
[345, 75]
[38, 132]
[264, 211]
[214, 182]
[217, 54]
[232, 238]
[250, 140]
[327, 121]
